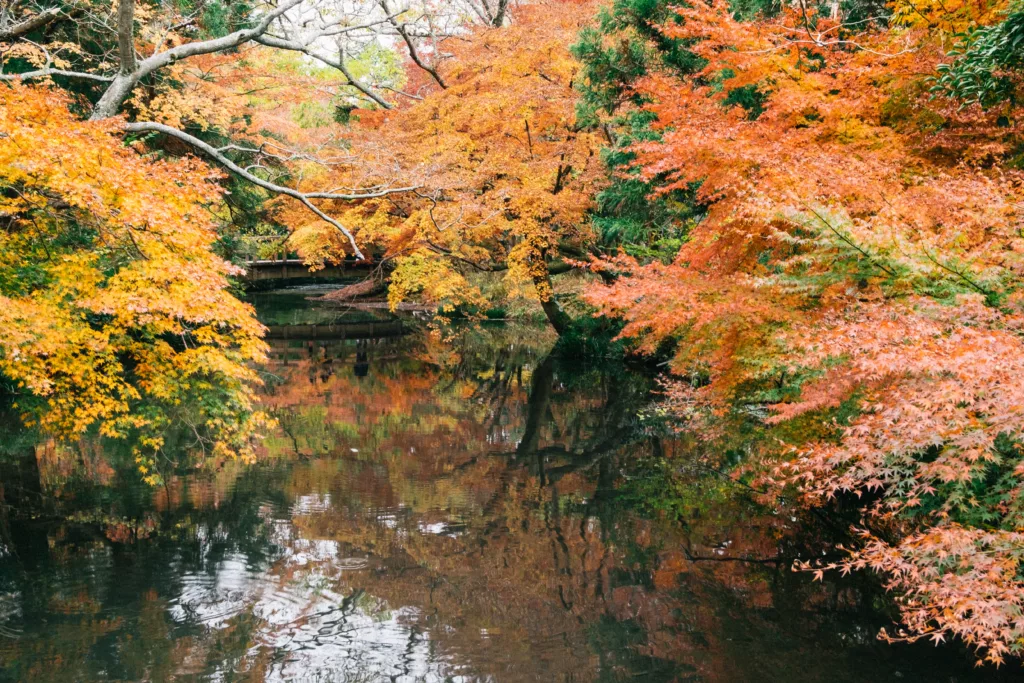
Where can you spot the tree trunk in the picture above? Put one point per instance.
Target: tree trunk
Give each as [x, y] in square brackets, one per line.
[499, 16]
[126, 35]
[115, 95]
[558, 318]
[117, 92]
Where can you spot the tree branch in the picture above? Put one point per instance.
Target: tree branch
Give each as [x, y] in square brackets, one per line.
[849, 242]
[339, 64]
[304, 197]
[499, 16]
[45, 73]
[413, 54]
[48, 70]
[115, 95]
[28, 25]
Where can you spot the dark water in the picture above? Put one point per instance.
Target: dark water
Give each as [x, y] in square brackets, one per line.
[469, 509]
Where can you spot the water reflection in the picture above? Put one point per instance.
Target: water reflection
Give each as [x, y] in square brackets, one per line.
[462, 510]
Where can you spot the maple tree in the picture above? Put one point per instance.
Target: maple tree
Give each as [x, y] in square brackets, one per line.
[468, 158]
[856, 243]
[116, 312]
[503, 171]
[817, 207]
[126, 324]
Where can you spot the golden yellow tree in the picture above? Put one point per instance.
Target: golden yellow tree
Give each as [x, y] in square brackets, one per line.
[504, 174]
[115, 310]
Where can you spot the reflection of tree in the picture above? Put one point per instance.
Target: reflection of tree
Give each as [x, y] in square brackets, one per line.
[539, 404]
[505, 532]
[84, 608]
[475, 495]
[468, 508]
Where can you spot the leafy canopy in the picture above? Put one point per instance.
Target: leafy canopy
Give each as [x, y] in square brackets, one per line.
[859, 244]
[116, 312]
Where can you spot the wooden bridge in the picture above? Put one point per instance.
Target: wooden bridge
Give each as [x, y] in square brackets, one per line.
[266, 270]
[299, 342]
[267, 259]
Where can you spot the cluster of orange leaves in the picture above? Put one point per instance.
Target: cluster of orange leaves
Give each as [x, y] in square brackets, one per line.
[243, 94]
[504, 174]
[853, 232]
[111, 296]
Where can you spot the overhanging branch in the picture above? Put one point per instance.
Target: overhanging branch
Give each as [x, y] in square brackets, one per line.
[133, 71]
[413, 53]
[303, 197]
[46, 73]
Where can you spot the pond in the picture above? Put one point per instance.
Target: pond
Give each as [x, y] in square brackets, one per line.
[466, 508]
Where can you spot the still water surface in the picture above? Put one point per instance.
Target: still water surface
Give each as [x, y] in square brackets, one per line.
[474, 509]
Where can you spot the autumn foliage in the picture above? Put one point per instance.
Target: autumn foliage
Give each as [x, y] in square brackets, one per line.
[847, 194]
[503, 173]
[860, 245]
[115, 310]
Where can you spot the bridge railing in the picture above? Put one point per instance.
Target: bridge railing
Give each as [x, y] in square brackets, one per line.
[266, 248]
[266, 257]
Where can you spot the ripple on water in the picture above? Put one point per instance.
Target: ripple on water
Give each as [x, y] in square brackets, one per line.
[311, 503]
[212, 598]
[357, 644]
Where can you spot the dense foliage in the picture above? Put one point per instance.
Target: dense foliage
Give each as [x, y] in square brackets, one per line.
[115, 310]
[860, 242]
[503, 170]
[986, 65]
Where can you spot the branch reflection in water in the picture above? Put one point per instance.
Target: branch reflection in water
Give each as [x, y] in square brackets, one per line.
[474, 509]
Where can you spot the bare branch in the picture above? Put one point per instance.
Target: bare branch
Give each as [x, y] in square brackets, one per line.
[483, 12]
[292, 155]
[304, 197]
[339, 64]
[413, 53]
[45, 73]
[28, 25]
[401, 92]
